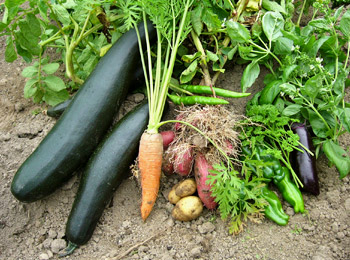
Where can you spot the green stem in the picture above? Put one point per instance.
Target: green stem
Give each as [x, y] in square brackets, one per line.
[165, 84]
[204, 65]
[301, 13]
[347, 56]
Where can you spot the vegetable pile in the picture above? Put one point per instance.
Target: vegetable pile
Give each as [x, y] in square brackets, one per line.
[244, 167]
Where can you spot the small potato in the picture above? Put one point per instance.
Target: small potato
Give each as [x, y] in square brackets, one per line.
[187, 208]
[172, 197]
[186, 188]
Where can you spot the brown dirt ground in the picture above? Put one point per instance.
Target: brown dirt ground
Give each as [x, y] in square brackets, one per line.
[36, 230]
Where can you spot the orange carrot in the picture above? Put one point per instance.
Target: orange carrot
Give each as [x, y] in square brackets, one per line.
[150, 165]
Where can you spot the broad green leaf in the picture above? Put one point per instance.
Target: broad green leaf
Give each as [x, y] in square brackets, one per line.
[287, 71]
[2, 26]
[237, 32]
[53, 98]
[211, 19]
[312, 86]
[250, 74]
[229, 52]
[345, 119]
[318, 126]
[188, 74]
[338, 12]
[320, 24]
[10, 52]
[317, 45]
[90, 64]
[43, 10]
[212, 56]
[196, 15]
[26, 55]
[13, 3]
[338, 156]
[62, 14]
[30, 71]
[288, 89]
[273, 24]
[35, 28]
[29, 88]
[270, 92]
[27, 41]
[339, 84]
[54, 83]
[291, 110]
[273, 6]
[345, 24]
[191, 57]
[51, 68]
[283, 46]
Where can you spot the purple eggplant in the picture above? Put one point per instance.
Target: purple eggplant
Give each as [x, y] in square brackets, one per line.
[303, 163]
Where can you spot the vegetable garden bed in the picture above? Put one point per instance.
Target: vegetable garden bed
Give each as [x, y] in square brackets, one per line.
[36, 230]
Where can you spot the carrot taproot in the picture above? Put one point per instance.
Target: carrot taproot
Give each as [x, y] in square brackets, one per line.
[150, 165]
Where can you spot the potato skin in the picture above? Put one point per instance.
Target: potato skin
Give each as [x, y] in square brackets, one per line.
[187, 208]
[186, 188]
[172, 197]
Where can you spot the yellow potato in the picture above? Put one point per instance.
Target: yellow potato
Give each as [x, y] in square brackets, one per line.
[187, 208]
[186, 188]
[172, 197]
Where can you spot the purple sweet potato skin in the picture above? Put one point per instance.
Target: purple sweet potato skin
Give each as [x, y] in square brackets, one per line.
[183, 165]
[201, 172]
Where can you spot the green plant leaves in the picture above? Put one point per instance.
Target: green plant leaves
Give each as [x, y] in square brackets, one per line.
[237, 32]
[345, 119]
[250, 74]
[30, 71]
[345, 24]
[188, 74]
[291, 110]
[312, 87]
[62, 14]
[10, 52]
[338, 156]
[29, 88]
[50, 68]
[273, 24]
[196, 19]
[54, 83]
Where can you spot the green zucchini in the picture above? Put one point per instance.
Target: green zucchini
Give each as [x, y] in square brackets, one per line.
[105, 171]
[58, 110]
[79, 130]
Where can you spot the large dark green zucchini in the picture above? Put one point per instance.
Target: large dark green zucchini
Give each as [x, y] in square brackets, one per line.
[79, 130]
[58, 110]
[104, 172]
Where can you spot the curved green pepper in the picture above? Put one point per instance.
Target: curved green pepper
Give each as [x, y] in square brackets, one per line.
[274, 210]
[290, 191]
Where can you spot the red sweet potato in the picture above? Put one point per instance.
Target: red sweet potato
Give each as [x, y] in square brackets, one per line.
[167, 165]
[168, 137]
[183, 162]
[201, 172]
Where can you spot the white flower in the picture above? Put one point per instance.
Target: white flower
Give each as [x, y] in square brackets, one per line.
[319, 60]
[312, 67]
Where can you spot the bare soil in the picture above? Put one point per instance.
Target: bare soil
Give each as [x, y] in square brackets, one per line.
[37, 230]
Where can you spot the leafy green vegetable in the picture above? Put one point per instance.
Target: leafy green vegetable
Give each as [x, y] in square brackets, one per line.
[78, 30]
[239, 198]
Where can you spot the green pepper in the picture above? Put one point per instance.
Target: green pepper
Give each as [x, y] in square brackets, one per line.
[198, 89]
[191, 100]
[280, 176]
[274, 210]
[290, 191]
